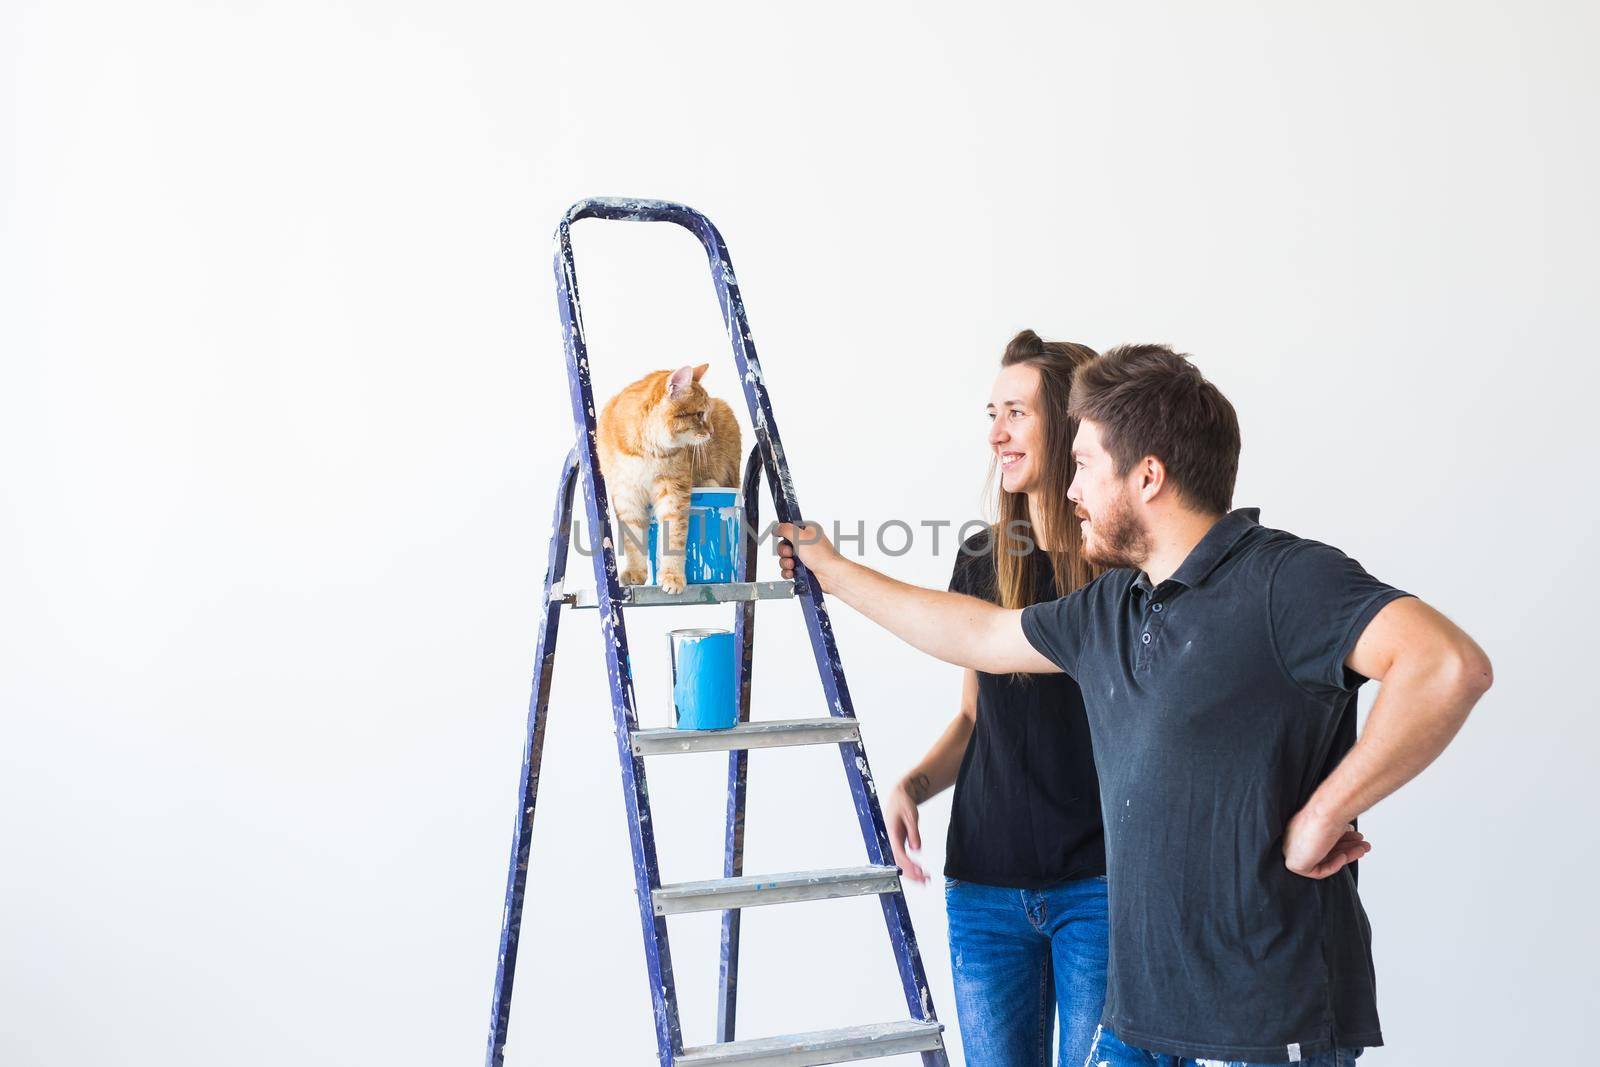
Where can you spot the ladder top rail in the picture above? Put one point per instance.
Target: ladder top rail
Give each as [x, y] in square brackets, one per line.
[635, 209]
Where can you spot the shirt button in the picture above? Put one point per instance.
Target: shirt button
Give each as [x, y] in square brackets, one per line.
[1146, 639]
[1157, 606]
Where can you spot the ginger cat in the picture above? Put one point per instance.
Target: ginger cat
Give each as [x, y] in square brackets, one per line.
[658, 438]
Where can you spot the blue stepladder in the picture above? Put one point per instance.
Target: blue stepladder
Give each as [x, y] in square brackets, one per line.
[921, 1032]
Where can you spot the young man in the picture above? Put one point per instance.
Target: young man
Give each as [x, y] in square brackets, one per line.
[1219, 665]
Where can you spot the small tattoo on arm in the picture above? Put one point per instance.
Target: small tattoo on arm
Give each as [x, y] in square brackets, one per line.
[918, 788]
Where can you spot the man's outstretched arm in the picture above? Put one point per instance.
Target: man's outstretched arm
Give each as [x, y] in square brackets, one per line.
[1431, 675]
[958, 629]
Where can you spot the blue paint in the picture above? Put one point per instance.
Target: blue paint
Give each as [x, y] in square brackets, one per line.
[711, 550]
[703, 682]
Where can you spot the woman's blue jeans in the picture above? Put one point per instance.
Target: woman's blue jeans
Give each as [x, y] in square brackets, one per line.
[1021, 958]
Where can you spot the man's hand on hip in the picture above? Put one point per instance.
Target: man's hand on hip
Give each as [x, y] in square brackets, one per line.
[1316, 847]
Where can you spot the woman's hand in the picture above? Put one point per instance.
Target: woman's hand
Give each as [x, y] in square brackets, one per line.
[900, 816]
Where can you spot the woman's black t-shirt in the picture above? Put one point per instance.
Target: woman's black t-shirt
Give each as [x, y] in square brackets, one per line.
[1026, 812]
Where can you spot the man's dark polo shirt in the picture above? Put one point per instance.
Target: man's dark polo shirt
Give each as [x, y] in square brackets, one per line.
[1217, 702]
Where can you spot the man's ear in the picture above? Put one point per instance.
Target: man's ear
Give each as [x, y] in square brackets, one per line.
[680, 379]
[700, 371]
[1152, 478]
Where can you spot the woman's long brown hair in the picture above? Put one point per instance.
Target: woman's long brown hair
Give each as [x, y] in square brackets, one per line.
[1016, 579]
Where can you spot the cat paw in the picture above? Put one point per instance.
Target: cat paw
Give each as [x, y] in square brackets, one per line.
[673, 582]
[632, 574]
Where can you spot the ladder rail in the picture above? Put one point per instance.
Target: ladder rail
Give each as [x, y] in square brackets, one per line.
[532, 756]
[744, 623]
[619, 669]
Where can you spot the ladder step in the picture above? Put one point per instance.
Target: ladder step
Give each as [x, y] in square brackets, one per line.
[821, 1046]
[720, 894]
[649, 596]
[776, 733]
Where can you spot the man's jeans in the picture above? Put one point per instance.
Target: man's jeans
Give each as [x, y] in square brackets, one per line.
[1110, 1052]
[1020, 956]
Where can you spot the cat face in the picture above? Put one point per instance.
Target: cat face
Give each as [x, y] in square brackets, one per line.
[682, 416]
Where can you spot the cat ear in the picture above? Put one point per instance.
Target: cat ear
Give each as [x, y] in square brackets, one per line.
[680, 380]
[700, 371]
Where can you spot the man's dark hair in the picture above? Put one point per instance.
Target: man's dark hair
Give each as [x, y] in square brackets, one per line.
[1148, 400]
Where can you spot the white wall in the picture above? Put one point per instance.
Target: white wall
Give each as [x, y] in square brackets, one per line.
[282, 403]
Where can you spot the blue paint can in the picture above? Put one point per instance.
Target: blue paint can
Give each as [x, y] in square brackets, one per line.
[711, 553]
[703, 679]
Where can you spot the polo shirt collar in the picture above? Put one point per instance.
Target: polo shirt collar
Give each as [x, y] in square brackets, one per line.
[1212, 549]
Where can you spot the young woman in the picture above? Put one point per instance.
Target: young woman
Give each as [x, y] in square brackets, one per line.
[1025, 863]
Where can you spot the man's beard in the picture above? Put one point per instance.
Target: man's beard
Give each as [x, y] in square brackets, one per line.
[1117, 538]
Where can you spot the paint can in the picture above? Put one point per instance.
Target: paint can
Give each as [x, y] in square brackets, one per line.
[703, 695]
[714, 543]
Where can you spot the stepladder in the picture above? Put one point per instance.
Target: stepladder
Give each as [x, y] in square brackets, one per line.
[919, 1032]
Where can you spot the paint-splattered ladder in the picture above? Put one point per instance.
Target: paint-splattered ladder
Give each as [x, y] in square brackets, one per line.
[922, 1033]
